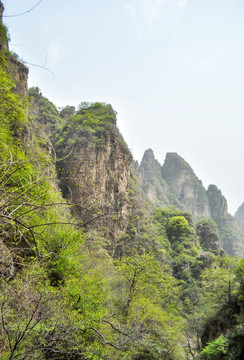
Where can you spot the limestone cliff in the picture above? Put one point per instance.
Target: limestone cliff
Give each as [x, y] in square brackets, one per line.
[151, 182]
[92, 160]
[20, 74]
[232, 238]
[186, 186]
[239, 216]
[175, 183]
[218, 204]
[93, 169]
[16, 68]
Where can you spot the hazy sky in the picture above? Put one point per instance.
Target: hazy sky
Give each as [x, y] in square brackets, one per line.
[172, 69]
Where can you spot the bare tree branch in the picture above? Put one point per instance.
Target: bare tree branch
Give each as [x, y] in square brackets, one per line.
[25, 12]
[114, 328]
[103, 337]
[26, 227]
[4, 327]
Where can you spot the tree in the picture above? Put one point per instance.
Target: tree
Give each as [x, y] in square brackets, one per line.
[218, 281]
[148, 301]
[215, 350]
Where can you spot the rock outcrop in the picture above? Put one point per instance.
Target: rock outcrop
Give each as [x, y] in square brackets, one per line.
[18, 70]
[239, 216]
[151, 182]
[95, 174]
[218, 204]
[187, 187]
[232, 239]
[175, 183]
[20, 74]
[93, 166]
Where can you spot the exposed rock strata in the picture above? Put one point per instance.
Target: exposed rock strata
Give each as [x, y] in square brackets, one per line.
[151, 182]
[20, 73]
[217, 202]
[175, 183]
[17, 69]
[97, 178]
[186, 186]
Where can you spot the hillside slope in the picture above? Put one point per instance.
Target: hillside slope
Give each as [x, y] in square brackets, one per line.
[89, 269]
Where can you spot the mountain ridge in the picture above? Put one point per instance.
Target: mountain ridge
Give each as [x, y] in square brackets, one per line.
[175, 183]
[100, 258]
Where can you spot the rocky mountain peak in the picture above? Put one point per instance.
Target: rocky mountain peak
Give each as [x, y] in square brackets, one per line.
[174, 162]
[151, 181]
[149, 164]
[148, 156]
[187, 187]
[217, 202]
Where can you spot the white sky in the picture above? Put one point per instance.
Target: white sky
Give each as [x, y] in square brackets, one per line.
[172, 69]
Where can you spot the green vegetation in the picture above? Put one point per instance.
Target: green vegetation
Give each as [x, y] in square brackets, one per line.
[156, 291]
[216, 349]
[4, 36]
[48, 113]
[93, 122]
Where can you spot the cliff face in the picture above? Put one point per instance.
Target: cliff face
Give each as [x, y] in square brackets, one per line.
[94, 174]
[231, 234]
[186, 186]
[92, 161]
[239, 216]
[175, 183]
[98, 179]
[150, 180]
[93, 170]
[218, 203]
[20, 74]
[17, 69]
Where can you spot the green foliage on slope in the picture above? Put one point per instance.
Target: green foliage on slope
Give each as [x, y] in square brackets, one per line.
[63, 296]
[92, 122]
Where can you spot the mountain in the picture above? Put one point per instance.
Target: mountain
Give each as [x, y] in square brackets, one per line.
[150, 181]
[103, 258]
[175, 183]
[186, 186]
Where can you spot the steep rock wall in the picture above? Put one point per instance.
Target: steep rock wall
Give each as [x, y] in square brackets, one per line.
[95, 176]
[239, 216]
[20, 74]
[187, 187]
[217, 202]
[231, 235]
[150, 180]
[176, 184]
[16, 68]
